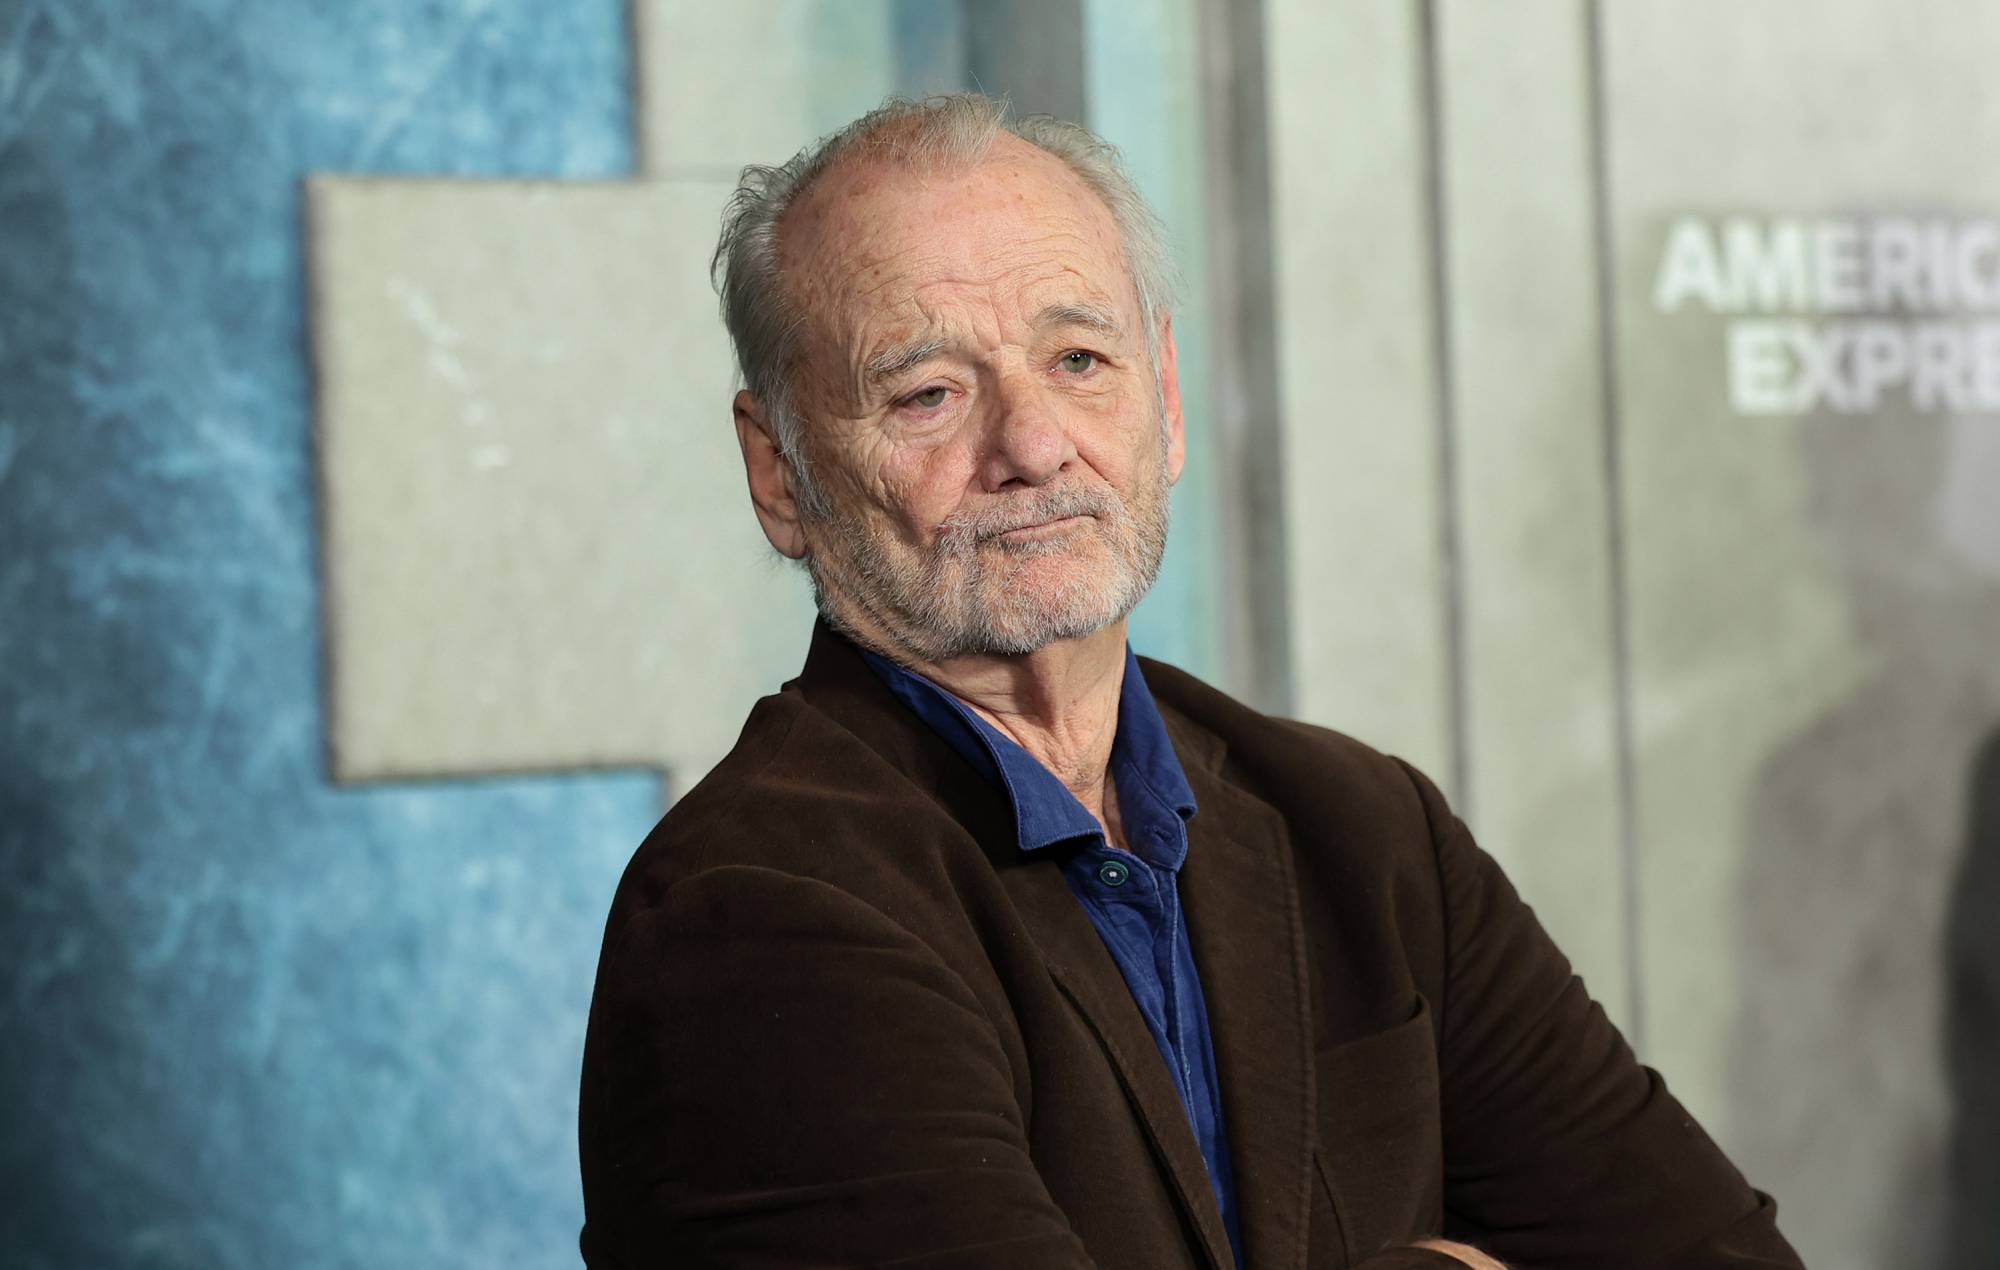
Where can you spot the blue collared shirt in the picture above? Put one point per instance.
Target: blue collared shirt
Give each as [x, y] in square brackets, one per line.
[1132, 898]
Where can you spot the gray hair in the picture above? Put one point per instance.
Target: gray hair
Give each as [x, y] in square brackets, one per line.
[937, 132]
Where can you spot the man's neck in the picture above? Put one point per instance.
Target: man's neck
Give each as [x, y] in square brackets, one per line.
[1059, 703]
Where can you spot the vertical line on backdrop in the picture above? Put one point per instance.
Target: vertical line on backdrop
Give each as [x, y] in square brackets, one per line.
[1257, 638]
[1452, 599]
[643, 146]
[1614, 518]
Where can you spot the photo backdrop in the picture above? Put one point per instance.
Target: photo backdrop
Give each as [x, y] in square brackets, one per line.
[1593, 403]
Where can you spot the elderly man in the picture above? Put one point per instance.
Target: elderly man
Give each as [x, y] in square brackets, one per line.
[991, 944]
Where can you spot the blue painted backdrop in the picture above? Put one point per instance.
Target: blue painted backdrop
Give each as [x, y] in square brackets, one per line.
[248, 1019]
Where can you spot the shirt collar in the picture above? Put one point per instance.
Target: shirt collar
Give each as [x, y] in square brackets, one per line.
[1154, 798]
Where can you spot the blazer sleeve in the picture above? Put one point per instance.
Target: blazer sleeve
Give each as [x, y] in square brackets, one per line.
[1560, 1148]
[779, 1075]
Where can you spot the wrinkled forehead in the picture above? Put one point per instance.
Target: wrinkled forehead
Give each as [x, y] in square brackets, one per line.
[878, 241]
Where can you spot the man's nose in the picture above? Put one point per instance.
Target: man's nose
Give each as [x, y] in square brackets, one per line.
[1027, 442]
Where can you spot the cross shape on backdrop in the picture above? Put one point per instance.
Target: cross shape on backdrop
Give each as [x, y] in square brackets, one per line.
[537, 550]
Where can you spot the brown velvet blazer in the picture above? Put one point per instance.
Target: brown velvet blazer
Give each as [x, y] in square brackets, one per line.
[840, 1020]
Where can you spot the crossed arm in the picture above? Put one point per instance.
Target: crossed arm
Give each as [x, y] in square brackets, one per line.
[736, 1114]
[716, 1145]
[1560, 1149]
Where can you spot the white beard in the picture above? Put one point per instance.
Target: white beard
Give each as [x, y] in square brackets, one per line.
[973, 592]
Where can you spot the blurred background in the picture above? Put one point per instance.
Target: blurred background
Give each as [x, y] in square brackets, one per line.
[1593, 403]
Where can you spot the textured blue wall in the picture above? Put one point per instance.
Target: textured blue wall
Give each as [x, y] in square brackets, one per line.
[248, 1019]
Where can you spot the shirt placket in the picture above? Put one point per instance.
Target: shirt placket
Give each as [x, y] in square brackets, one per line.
[1155, 898]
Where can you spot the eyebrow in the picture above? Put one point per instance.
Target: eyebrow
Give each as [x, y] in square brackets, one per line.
[1085, 315]
[896, 359]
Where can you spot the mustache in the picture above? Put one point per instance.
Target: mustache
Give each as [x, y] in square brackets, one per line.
[966, 530]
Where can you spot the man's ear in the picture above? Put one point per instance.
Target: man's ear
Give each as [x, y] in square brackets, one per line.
[1170, 398]
[770, 477]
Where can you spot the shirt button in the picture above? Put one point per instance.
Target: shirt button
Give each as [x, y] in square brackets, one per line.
[1112, 873]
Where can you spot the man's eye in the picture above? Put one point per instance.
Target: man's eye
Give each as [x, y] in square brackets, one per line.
[1078, 362]
[929, 398]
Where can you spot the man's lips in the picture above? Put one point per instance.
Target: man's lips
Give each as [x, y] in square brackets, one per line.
[1041, 529]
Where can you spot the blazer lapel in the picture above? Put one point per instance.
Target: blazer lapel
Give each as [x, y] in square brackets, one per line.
[1084, 971]
[1242, 905]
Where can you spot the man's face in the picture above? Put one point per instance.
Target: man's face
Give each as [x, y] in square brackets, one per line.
[981, 409]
